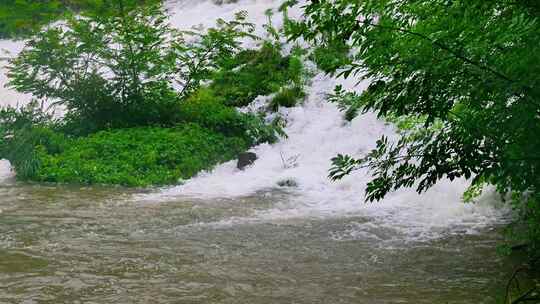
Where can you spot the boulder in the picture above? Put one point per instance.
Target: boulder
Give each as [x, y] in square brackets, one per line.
[245, 159]
[288, 182]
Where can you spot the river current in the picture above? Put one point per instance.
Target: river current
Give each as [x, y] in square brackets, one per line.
[230, 236]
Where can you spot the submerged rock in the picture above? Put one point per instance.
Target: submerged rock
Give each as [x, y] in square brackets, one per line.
[245, 159]
[221, 2]
[289, 182]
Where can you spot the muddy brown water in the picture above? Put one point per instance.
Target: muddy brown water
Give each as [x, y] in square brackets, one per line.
[62, 244]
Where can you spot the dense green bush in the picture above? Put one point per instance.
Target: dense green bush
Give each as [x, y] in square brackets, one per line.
[21, 131]
[287, 97]
[209, 133]
[125, 121]
[22, 149]
[331, 56]
[208, 111]
[137, 156]
[256, 72]
[20, 18]
[131, 84]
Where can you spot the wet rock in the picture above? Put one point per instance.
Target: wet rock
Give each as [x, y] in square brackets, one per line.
[221, 2]
[289, 182]
[245, 159]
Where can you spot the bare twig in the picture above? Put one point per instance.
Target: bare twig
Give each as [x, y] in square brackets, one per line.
[512, 279]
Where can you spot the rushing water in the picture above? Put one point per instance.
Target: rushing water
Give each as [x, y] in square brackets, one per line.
[230, 236]
[95, 245]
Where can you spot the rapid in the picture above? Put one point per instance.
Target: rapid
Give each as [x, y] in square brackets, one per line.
[231, 236]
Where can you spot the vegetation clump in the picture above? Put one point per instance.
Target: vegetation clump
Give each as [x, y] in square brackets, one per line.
[256, 72]
[131, 84]
[22, 18]
[331, 56]
[155, 108]
[209, 111]
[287, 97]
[138, 156]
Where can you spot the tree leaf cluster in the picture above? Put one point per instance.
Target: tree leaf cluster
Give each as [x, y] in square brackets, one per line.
[122, 70]
[467, 71]
[22, 18]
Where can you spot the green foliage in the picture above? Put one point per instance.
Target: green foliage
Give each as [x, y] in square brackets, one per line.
[287, 97]
[473, 191]
[348, 102]
[411, 126]
[207, 52]
[20, 18]
[25, 147]
[331, 56]
[258, 131]
[21, 131]
[208, 133]
[138, 156]
[136, 113]
[208, 111]
[256, 72]
[130, 84]
[23, 17]
[468, 70]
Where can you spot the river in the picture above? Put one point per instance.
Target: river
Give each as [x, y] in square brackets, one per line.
[62, 244]
[230, 236]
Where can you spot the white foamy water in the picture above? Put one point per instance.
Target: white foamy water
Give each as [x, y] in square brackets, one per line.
[8, 49]
[5, 171]
[316, 133]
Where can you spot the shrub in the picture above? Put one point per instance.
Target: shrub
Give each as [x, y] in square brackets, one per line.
[130, 84]
[331, 56]
[138, 156]
[21, 131]
[287, 97]
[25, 146]
[209, 133]
[24, 17]
[208, 111]
[125, 122]
[254, 73]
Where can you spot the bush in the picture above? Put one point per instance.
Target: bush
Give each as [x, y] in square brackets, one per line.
[147, 132]
[331, 56]
[130, 84]
[20, 18]
[287, 97]
[208, 111]
[138, 156]
[21, 131]
[22, 149]
[254, 73]
[209, 133]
